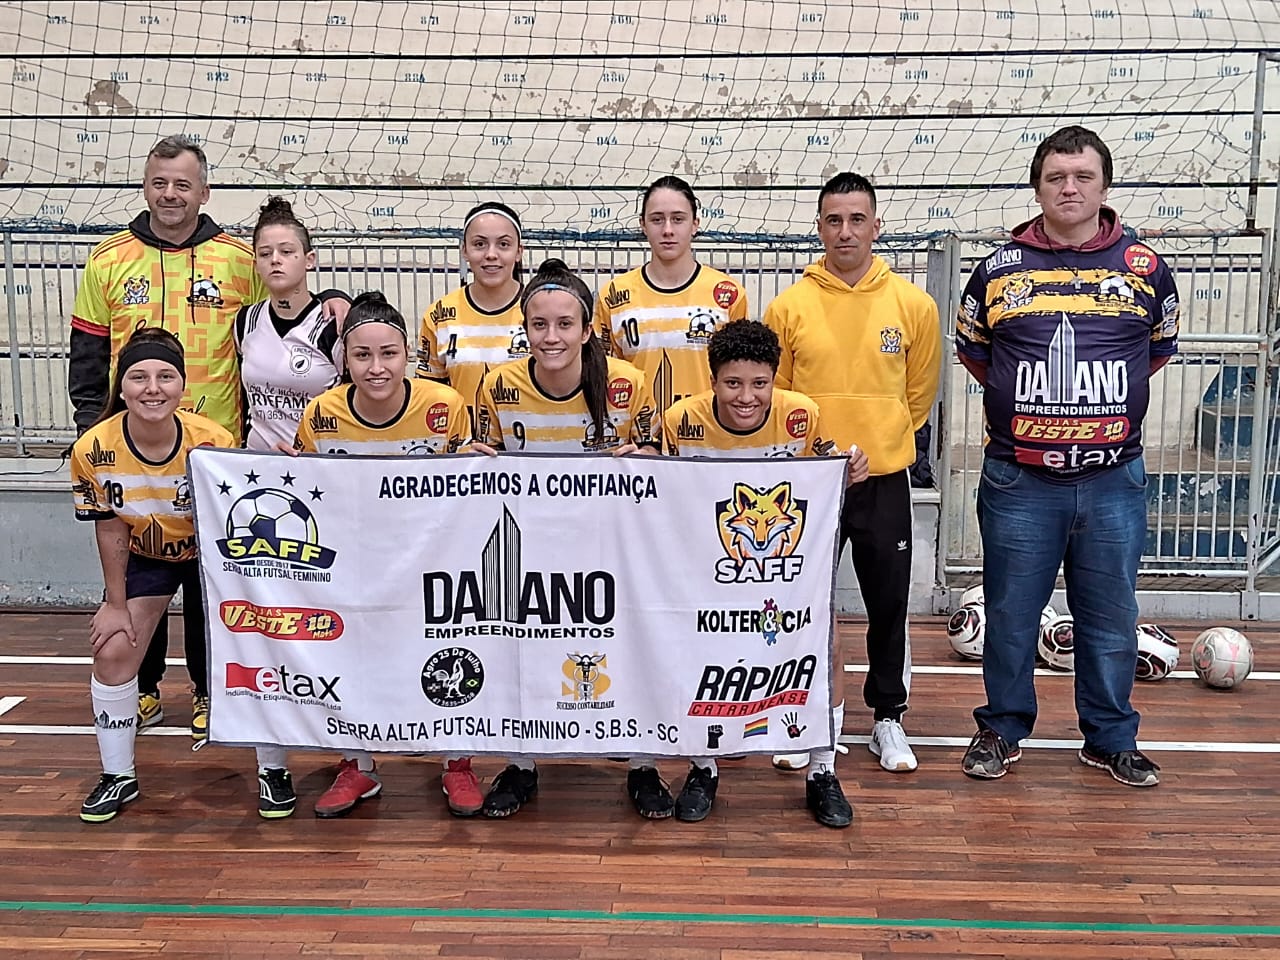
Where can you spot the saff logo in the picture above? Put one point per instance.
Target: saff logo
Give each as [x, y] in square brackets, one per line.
[273, 529]
[136, 291]
[890, 340]
[760, 530]
[1017, 293]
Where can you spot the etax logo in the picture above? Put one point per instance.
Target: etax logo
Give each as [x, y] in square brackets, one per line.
[280, 680]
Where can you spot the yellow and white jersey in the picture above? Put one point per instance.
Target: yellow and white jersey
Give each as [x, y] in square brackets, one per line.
[458, 342]
[110, 478]
[432, 420]
[518, 415]
[690, 428]
[665, 332]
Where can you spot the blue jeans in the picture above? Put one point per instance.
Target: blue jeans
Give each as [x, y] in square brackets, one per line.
[1095, 529]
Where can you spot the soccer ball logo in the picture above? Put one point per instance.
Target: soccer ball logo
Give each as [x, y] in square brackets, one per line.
[271, 515]
[205, 292]
[702, 324]
[519, 344]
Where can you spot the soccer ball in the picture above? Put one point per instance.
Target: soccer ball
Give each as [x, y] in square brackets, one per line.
[1222, 657]
[271, 515]
[1157, 653]
[205, 289]
[1057, 646]
[967, 630]
[972, 595]
[1047, 614]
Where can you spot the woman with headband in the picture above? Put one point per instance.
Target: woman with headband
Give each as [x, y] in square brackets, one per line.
[381, 413]
[129, 473]
[289, 354]
[565, 397]
[661, 316]
[477, 327]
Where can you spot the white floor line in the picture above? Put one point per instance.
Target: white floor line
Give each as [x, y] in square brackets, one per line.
[976, 671]
[40, 729]
[1151, 746]
[8, 703]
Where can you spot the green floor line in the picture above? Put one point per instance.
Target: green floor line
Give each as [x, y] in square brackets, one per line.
[641, 916]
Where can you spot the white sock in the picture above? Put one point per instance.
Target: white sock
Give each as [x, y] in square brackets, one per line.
[271, 758]
[706, 763]
[115, 721]
[363, 759]
[824, 761]
[524, 763]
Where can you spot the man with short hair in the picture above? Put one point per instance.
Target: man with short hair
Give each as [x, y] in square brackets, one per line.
[866, 345]
[172, 267]
[1063, 327]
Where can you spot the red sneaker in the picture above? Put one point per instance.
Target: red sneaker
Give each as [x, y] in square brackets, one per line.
[462, 788]
[350, 786]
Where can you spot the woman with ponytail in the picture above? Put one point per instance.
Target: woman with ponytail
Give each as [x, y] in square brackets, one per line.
[289, 353]
[466, 333]
[565, 397]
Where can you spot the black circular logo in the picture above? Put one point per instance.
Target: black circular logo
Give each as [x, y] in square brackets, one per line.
[453, 676]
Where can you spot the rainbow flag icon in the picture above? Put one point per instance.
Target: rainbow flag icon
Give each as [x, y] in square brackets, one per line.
[756, 728]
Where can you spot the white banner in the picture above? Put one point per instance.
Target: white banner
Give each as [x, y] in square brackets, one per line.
[528, 604]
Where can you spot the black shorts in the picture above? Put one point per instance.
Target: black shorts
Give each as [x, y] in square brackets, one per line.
[148, 577]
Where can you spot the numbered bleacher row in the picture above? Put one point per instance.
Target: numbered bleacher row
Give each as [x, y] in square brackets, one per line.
[601, 87]
[630, 26]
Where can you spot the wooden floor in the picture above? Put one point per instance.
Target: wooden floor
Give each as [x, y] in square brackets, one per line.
[1054, 861]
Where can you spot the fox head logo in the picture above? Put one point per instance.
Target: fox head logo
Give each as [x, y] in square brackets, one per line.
[136, 290]
[1018, 292]
[890, 340]
[756, 524]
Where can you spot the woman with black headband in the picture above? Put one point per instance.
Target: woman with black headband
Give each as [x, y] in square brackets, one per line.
[380, 413]
[130, 477]
[475, 328]
[566, 397]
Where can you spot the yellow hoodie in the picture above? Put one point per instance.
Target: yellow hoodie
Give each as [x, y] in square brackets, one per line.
[869, 355]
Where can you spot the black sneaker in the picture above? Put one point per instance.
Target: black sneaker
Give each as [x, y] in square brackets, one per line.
[697, 795]
[276, 798]
[1130, 767]
[989, 756]
[823, 795]
[112, 792]
[649, 794]
[510, 789]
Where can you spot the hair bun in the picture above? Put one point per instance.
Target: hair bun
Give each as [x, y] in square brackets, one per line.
[277, 205]
[369, 296]
[551, 266]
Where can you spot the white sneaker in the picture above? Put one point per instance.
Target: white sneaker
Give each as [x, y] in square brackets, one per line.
[889, 743]
[790, 761]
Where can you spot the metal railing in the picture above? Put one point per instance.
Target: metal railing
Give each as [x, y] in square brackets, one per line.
[1210, 437]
